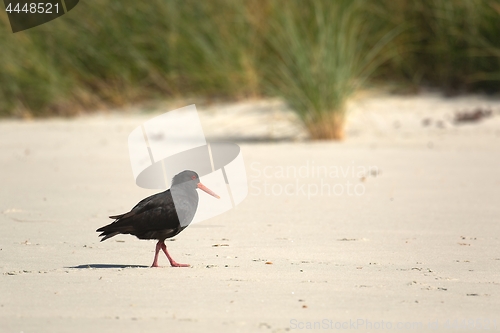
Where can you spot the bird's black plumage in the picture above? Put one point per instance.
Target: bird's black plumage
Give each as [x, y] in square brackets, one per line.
[157, 216]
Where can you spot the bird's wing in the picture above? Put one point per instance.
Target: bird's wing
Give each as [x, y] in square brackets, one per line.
[152, 219]
[156, 212]
[164, 216]
[144, 205]
[158, 218]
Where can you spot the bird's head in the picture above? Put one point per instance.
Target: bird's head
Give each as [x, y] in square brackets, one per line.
[191, 180]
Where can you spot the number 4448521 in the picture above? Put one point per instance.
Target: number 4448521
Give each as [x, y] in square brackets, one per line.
[33, 8]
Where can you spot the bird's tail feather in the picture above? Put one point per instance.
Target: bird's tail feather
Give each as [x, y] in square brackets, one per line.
[122, 216]
[115, 228]
[108, 235]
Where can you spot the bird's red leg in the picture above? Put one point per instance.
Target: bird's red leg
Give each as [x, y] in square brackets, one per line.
[172, 261]
[158, 247]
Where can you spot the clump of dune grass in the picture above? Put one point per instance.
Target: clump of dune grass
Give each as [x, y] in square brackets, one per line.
[322, 57]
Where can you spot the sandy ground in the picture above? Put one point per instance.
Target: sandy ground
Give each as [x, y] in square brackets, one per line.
[396, 228]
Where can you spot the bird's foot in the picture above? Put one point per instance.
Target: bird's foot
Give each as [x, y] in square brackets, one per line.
[175, 264]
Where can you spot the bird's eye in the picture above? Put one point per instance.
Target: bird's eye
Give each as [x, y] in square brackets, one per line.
[193, 177]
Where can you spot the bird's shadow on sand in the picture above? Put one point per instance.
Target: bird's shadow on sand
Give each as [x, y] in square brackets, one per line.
[107, 266]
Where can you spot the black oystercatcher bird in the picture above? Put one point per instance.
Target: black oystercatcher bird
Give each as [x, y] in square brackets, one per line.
[156, 217]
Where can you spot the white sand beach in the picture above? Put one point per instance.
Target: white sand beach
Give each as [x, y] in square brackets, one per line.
[395, 228]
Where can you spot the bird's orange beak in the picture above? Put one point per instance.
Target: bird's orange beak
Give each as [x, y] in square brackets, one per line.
[206, 189]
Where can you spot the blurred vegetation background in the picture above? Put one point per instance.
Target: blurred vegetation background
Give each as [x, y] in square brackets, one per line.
[313, 54]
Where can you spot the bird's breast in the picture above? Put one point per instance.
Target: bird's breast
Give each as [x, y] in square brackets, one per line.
[186, 204]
